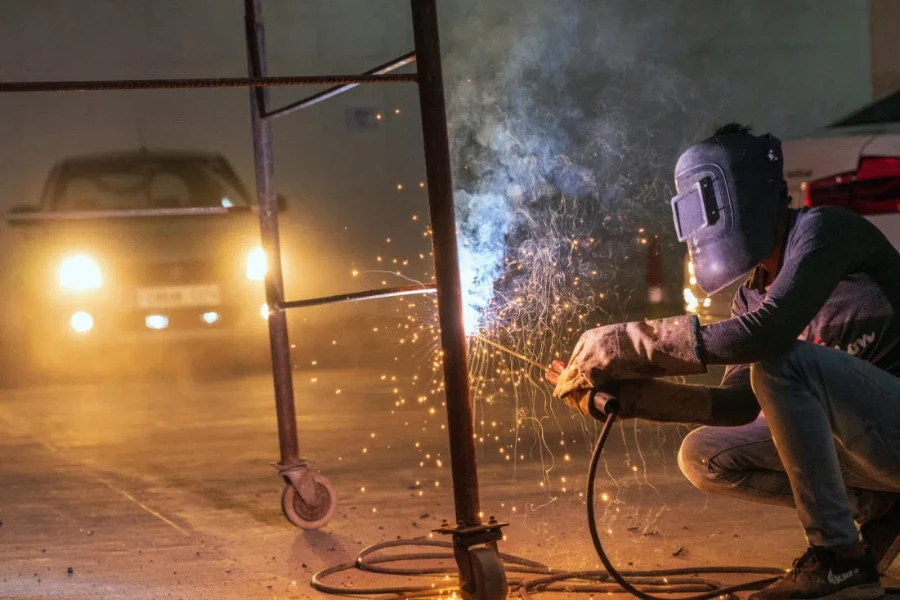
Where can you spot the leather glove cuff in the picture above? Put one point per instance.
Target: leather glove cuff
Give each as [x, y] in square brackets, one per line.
[659, 348]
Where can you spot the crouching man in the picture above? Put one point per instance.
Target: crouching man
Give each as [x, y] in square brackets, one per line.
[814, 341]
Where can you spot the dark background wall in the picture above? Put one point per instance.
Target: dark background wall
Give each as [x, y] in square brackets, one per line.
[884, 18]
[786, 67]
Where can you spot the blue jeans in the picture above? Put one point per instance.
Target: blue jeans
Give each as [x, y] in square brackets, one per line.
[827, 442]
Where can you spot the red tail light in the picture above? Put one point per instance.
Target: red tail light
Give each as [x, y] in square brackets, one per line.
[874, 188]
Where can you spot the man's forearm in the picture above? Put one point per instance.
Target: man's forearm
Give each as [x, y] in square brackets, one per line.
[669, 402]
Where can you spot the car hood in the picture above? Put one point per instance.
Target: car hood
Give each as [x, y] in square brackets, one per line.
[149, 239]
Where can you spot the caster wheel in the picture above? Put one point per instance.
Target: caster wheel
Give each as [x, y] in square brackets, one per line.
[489, 578]
[310, 515]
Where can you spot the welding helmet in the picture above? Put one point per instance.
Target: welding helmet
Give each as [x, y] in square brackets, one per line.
[731, 192]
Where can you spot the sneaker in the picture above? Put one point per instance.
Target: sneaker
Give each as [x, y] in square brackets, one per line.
[824, 573]
[883, 536]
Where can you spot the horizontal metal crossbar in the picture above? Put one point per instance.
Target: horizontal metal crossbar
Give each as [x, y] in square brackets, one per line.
[403, 290]
[220, 82]
[340, 89]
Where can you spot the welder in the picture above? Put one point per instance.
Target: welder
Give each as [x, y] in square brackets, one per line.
[808, 412]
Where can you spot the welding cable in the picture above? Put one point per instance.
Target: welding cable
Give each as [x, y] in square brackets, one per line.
[641, 584]
[547, 579]
[622, 577]
[366, 561]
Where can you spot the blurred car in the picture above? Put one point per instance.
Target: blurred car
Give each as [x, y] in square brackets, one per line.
[854, 163]
[132, 250]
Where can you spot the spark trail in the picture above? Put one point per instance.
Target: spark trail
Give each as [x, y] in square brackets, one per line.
[512, 353]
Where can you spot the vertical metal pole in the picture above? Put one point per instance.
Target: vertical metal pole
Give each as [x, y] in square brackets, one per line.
[446, 260]
[268, 226]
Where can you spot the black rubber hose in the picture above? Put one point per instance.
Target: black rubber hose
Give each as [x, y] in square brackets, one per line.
[610, 417]
[642, 584]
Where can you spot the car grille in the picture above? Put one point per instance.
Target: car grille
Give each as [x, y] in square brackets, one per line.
[175, 273]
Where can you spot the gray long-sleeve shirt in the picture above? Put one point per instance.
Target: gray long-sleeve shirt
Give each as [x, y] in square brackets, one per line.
[839, 286]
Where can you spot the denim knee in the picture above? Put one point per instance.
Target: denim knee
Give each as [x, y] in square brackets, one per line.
[693, 459]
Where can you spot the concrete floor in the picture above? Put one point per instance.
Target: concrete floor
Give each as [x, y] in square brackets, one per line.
[162, 487]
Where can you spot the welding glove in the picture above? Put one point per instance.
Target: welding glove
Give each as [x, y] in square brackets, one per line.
[662, 401]
[637, 350]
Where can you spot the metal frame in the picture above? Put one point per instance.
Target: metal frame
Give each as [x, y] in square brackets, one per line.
[468, 531]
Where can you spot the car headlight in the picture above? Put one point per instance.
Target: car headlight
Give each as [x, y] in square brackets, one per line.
[256, 265]
[80, 273]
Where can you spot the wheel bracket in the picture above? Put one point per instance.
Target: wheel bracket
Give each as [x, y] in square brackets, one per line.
[301, 477]
[469, 542]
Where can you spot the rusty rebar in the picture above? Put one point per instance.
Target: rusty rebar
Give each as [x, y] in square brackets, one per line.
[392, 292]
[200, 83]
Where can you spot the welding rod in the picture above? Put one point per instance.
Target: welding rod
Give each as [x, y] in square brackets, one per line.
[513, 353]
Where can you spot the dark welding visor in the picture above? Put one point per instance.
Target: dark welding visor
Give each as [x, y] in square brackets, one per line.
[695, 209]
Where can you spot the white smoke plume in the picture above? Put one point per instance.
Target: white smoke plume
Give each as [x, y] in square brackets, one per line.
[566, 119]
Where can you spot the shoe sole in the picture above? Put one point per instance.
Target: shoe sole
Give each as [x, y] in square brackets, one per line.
[872, 591]
[888, 559]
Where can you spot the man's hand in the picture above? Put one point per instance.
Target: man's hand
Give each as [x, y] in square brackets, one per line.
[578, 396]
[575, 382]
[584, 403]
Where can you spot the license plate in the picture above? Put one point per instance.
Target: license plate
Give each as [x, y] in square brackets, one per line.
[172, 296]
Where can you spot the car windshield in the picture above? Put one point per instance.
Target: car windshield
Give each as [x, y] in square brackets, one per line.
[147, 184]
[886, 110]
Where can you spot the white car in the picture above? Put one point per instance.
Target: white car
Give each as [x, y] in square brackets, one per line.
[854, 163]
